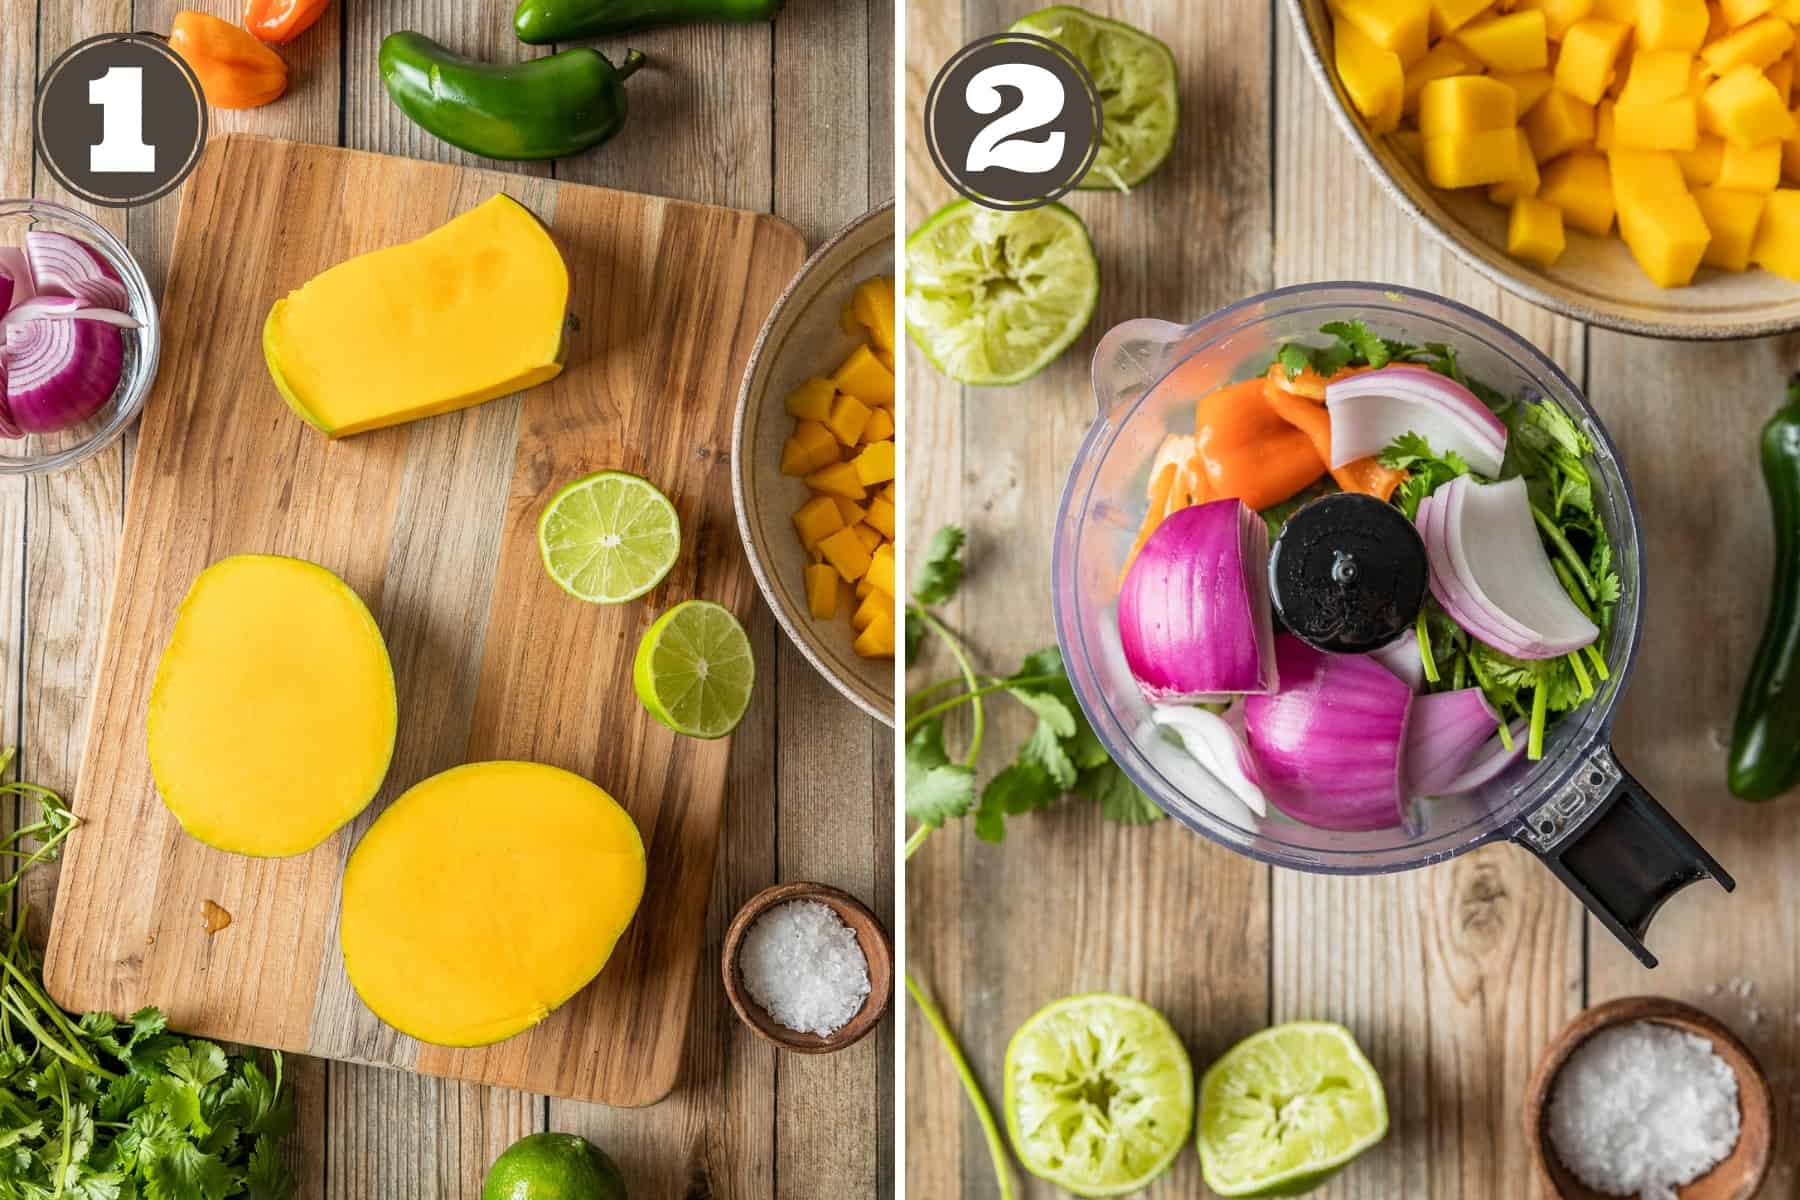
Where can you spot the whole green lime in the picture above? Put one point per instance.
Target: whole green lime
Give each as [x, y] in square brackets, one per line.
[553, 1166]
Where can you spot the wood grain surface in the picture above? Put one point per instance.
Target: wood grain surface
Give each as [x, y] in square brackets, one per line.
[809, 777]
[1452, 978]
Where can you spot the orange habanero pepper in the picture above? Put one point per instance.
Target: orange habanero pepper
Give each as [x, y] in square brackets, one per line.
[1247, 451]
[235, 70]
[1365, 475]
[278, 21]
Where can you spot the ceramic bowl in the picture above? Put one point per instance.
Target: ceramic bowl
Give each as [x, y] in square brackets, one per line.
[803, 338]
[1737, 1177]
[1596, 280]
[876, 948]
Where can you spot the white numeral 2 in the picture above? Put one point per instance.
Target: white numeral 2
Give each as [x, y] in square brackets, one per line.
[1040, 102]
[120, 95]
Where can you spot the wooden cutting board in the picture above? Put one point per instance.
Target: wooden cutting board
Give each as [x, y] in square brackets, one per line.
[434, 524]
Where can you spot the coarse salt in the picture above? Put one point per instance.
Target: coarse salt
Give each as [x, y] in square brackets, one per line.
[1642, 1108]
[805, 967]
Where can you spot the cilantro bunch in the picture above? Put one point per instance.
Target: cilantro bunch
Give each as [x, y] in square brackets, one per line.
[95, 1108]
[1547, 448]
[1062, 756]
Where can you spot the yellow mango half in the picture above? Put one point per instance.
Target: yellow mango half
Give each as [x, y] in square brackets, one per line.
[485, 897]
[272, 714]
[471, 311]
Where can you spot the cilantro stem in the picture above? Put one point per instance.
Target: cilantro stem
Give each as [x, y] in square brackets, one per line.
[1540, 714]
[1554, 532]
[955, 646]
[1506, 734]
[999, 685]
[932, 689]
[918, 838]
[1581, 675]
[1599, 660]
[996, 1148]
[1424, 635]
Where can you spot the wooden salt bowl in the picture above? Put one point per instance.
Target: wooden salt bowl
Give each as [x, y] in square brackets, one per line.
[876, 948]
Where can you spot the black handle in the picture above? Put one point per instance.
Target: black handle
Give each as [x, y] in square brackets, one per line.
[1617, 849]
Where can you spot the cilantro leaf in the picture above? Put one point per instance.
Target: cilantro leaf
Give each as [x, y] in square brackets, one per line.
[940, 570]
[937, 790]
[1427, 469]
[1294, 358]
[1365, 346]
[1021, 788]
[269, 1178]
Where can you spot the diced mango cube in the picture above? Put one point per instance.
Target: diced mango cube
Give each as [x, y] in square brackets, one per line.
[881, 514]
[881, 569]
[1658, 218]
[822, 591]
[863, 376]
[1751, 169]
[873, 304]
[1625, 12]
[811, 401]
[1589, 53]
[1737, 12]
[1782, 76]
[1464, 104]
[1580, 185]
[1560, 14]
[839, 479]
[1777, 243]
[876, 641]
[1447, 16]
[794, 458]
[1742, 106]
[1524, 182]
[848, 416]
[1759, 44]
[1528, 86]
[1398, 26]
[880, 427]
[1518, 41]
[846, 552]
[1534, 231]
[871, 540]
[863, 587]
[1657, 125]
[1373, 77]
[876, 607]
[1700, 166]
[1658, 75]
[875, 464]
[1440, 62]
[1671, 24]
[816, 520]
[1731, 218]
[815, 447]
[1558, 124]
[850, 510]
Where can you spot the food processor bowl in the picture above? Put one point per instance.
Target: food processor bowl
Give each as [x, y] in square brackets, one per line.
[1576, 808]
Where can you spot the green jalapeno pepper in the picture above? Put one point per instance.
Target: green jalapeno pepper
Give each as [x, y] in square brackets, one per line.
[540, 108]
[540, 22]
[1765, 743]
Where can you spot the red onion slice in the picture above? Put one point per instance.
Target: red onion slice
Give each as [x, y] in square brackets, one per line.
[1401, 656]
[1194, 615]
[18, 273]
[1215, 744]
[60, 373]
[1488, 762]
[1372, 408]
[1330, 745]
[1501, 563]
[1447, 729]
[1449, 581]
[64, 266]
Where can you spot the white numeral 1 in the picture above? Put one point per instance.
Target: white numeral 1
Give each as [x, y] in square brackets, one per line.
[120, 95]
[1040, 102]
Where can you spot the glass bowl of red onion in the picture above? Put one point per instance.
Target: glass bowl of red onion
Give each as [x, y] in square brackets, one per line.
[79, 339]
[1280, 744]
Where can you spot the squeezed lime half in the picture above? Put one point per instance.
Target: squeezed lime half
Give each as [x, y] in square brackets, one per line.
[1139, 100]
[1099, 1094]
[609, 537]
[694, 670]
[1287, 1108]
[992, 297]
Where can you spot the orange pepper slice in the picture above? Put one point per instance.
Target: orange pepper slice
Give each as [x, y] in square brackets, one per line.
[235, 70]
[1365, 475]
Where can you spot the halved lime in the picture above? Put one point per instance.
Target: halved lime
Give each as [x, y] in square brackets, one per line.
[1138, 97]
[1286, 1108]
[609, 537]
[993, 297]
[694, 670]
[1099, 1094]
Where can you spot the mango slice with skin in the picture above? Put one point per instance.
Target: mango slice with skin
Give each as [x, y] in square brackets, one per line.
[474, 310]
[485, 897]
[273, 712]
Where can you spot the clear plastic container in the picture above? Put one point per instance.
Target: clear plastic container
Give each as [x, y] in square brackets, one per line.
[1576, 808]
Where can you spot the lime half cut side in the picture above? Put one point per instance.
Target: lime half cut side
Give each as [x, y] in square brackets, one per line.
[1286, 1108]
[1139, 99]
[609, 537]
[1099, 1094]
[694, 670]
[993, 298]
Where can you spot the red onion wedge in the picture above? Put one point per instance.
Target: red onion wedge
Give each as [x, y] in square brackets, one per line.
[1370, 409]
[1401, 656]
[59, 372]
[1493, 576]
[1447, 729]
[65, 308]
[1212, 741]
[1190, 780]
[1194, 615]
[17, 272]
[63, 266]
[1330, 745]
[1492, 758]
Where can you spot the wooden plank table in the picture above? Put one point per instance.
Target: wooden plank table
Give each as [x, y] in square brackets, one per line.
[796, 119]
[1453, 978]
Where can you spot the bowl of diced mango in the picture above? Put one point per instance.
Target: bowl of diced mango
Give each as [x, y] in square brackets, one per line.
[1632, 163]
[814, 462]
